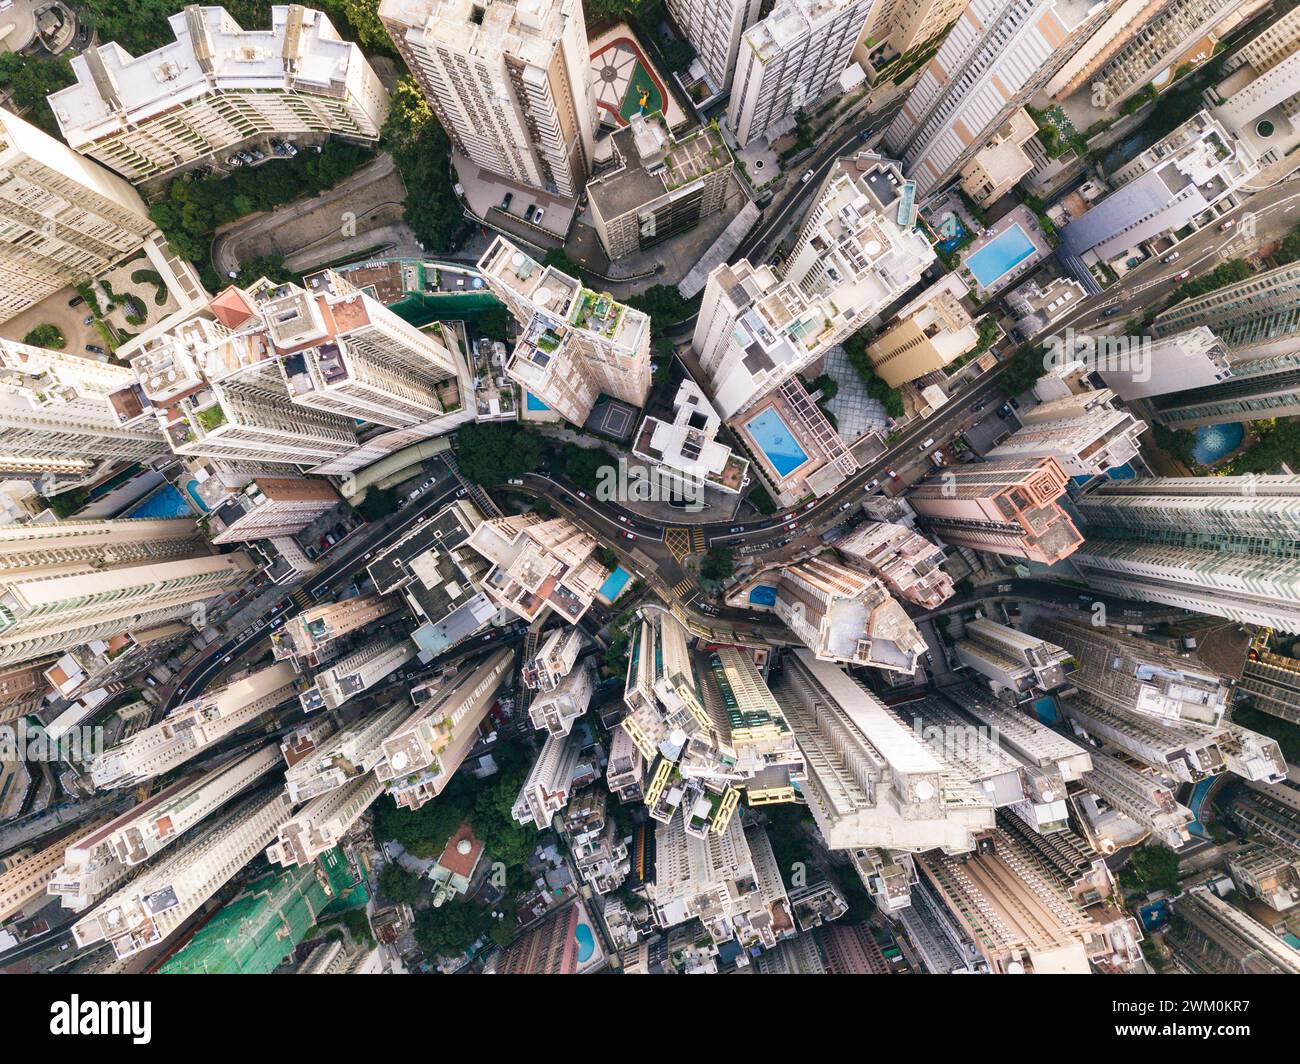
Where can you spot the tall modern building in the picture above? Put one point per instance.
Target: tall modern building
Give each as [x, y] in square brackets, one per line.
[1259, 315]
[897, 27]
[216, 89]
[1226, 546]
[1012, 660]
[58, 414]
[997, 55]
[538, 565]
[358, 672]
[510, 82]
[322, 822]
[97, 861]
[574, 344]
[303, 636]
[1085, 433]
[926, 335]
[422, 755]
[193, 727]
[871, 780]
[549, 784]
[850, 260]
[155, 903]
[63, 219]
[1176, 362]
[789, 62]
[847, 616]
[908, 564]
[1007, 507]
[271, 506]
[1143, 795]
[344, 756]
[1211, 937]
[714, 31]
[98, 583]
[1271, 680]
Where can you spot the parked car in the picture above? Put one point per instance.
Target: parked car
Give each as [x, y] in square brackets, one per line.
[537, 216]
[1184, 275]
[876, 483]
[504, 205]
[929, 442]
[95, 349]
[89, 319]
[516, 481]
[1228, 224]
[1170, 257]
[76, 301]
[629, 535]
[738, 528]
[892, 475]
[806, 178]
[1110, 312]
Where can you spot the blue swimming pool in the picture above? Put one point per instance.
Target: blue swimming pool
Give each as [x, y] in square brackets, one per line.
[1215, 441]
[763, 595]
[586, 942]
[534, 403]
[165, 502]
[192, 490]
[776, 441]
[614, 584]
[952, 231]
[1004, 252]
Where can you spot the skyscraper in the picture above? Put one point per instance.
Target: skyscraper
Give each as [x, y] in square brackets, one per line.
[908, 563]
[510, 83]
[215, 89]
[790, 61]
[1012, 660]
[714, 30]
[574, 344]
[995, 57]
[1084, 433]
[1007, 506]
[1225, 546]
[1254, 316]
[64, 219]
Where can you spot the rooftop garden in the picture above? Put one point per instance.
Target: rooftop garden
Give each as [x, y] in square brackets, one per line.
[210, 418]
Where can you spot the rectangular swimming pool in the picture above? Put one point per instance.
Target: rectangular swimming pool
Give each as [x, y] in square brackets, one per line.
[1003, 253]
[614, 584]
[776, 441]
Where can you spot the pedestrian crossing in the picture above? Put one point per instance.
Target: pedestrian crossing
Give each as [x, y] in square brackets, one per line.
[697, 540]
[683, 587]
[303, 598]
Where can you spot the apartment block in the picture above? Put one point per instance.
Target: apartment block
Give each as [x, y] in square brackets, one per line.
[98, 861]
[896, 27]
[215, 89]
[655, 186]
[1267, 875]
[1270, 44]
[510, 83]
[157, 902]
[323, 821]
[928, 334]
[65, 219]
[303, 636]
[625, 773]
[270, 507]
[997, 55]
[600, 855]
[1007, 507]
[1272, 682]
[871, 781]
[1085, 433]
[847, 616]
[193, 727]
[1013, 660]
[538, 565]
[789, 61]
[1211, 937]
[574, 344]
[907, 563]
[714, 31]
[687, 448]
[1182, 750]
[1142, 795]
[1175, 362]
[555, 709]
[994, 170]
[1257, 316]
[1224, 546]
[422, 755]
[358, 672]
[549, 785]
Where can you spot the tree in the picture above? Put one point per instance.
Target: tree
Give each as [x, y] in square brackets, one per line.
[399, 885]
[718, 564]
[665, 306]
[362, 18]
[582, 465]
[46, 335]
[450, 930]
[494, 323]
[855, 348]
[30, 80]
[422, 154]
[1152, 868]
[493, 453]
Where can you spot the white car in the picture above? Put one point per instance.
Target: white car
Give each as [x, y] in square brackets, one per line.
[806, 178]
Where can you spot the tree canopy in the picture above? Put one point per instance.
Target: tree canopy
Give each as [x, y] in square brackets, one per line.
[422, 153]
[494, 452]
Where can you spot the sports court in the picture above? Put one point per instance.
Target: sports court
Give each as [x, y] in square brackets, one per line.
[626, 81]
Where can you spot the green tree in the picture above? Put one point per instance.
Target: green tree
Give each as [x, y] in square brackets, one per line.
[493, 453]
[855, 348]
[582, 465]
[718, 564]
[450, 930]
[46, 335]
[399, 885]
[30, 79]
[494, 323]
[1152, 868]
[665, 306]
[422, 154]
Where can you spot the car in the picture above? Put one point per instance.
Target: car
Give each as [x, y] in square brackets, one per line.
[1170, 257]
[537, 218]
[629, 535]
[64, 946]
[738, 528]
[226, 658]
[808, 176]
[792, 525]
[504, 205]
[95, 349]
[368, 554]
[1183, 276]
[788, 517]
[622, 518]
[892, 475]
[937, 458]
[810, 506]
[151, 681]
[528, 213]
[929, 442]
[582, 495]
[516, 482]
[76, 301]
[847, 506]
[1004, 589]
[876, 483]
[1110, 312]
[89, 319]
[975, 408]
[461, 493]
[1228, 225]
[867, 134]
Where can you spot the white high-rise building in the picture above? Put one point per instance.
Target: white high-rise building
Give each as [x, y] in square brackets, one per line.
[790, 61]
[193, 727]
[556, 709]
[58, 413]
[216, 89]
[574, 344]
[323, 821]
[1141, 795]
[1012, 660]
[714, 28]
[358, 672]
[510, 82]
[995, 57]
[908, 564]
[549, 784]
[155, 903]
[63, 219]
[345, 755]
[48, 608]
[99, 860]
[1085, 433]
[872, 781]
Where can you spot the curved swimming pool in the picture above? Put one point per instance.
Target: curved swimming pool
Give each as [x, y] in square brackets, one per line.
[1215, 441]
